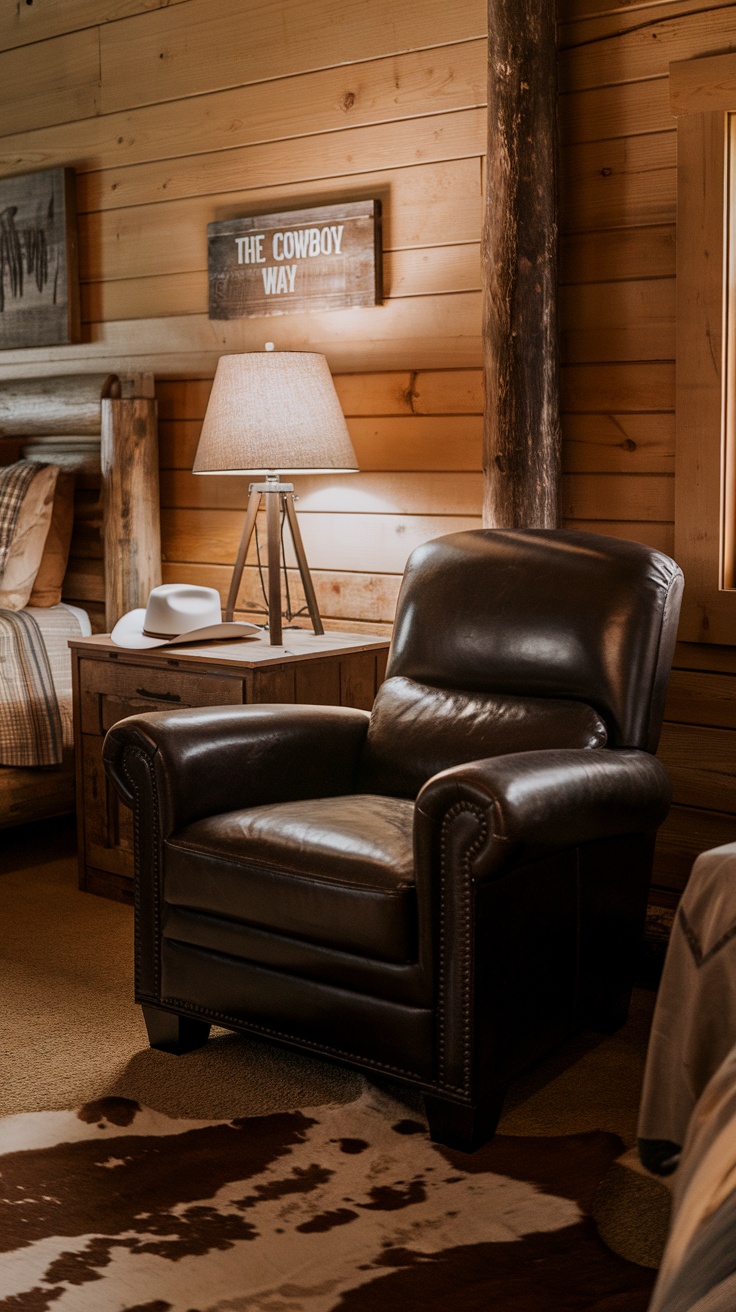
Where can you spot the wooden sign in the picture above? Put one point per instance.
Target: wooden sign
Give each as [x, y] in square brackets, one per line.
[39, 282]
[320, 259]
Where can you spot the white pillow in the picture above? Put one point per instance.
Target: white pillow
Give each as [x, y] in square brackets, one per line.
[26, 548]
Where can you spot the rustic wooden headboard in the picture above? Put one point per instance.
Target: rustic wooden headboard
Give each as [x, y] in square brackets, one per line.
[104, 427]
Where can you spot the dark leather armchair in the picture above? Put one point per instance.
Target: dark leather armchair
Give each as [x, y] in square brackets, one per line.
[443, 889]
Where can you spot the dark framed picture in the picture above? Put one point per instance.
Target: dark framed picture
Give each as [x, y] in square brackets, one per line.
[39, 275]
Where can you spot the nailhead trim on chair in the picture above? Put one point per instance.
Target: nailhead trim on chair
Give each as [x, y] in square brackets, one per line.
[474, 847]
[145, 760]
[180, 1005]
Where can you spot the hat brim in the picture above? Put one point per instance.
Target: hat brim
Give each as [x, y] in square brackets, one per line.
[128, 632]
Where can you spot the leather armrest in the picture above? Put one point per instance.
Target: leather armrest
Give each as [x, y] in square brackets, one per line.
[543, 800]
[209, 760]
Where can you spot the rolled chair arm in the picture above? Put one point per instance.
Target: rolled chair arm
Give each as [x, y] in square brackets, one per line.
[531, 868]
[544, 800]
[209, 760]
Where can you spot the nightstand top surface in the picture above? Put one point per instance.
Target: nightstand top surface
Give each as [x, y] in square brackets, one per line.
[245, 653]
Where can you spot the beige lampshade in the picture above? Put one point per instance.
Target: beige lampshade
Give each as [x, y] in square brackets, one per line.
[274, 411]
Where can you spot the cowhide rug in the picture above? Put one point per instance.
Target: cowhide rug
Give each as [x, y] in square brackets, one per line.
[119, 1209]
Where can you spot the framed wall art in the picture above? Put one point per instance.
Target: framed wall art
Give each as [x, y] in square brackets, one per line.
[39, 278]
[327, 258]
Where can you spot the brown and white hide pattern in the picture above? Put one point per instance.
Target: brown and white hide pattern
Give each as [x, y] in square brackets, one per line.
[120, 1209]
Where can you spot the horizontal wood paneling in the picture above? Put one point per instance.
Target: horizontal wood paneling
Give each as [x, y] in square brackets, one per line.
[424, 272]
[22, 23]
[645, 50]
[410, 442]
[611, 184]
[58, 83]
[339, 593]
[617, 255]
[697, 656]
[619, 443]
[366, 543]
[702, 698]
[570, 11]
[425, 332]
[168, 56]
[661, 536]
[421, 442]
[686, 833]
[197, 113]
[330, 100]
[602, 388]
[701, 764]
[422, 206]
[439, 392]
[602, 112]
[618, 496]
[85, 578]
[633, 320]
[342, 494]
[616, 19]
[333, 155]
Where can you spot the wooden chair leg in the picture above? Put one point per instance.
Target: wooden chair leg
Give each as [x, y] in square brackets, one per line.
[168, 1032]
[458, 1125]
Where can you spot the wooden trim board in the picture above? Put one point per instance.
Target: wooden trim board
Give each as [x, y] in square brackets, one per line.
[705, 477]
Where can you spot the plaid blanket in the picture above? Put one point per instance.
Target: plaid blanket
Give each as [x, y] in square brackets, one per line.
[33, 728]
[14, 483]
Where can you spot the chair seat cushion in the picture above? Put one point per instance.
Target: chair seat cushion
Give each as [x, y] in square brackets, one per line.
[335, 870]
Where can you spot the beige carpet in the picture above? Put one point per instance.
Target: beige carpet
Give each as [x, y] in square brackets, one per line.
[71, 1034]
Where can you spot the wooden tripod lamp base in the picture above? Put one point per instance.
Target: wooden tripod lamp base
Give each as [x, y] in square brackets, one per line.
[274, 410]
[279, 501]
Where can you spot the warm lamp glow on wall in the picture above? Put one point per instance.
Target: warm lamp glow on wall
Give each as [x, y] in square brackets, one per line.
[274, 412]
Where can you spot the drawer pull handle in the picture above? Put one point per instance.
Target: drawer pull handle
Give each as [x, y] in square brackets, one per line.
[159, 696]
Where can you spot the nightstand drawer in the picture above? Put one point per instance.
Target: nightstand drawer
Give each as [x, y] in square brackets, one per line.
[110, 692]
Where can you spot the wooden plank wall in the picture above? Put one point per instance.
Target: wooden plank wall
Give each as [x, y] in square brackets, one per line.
[617, 309]
[174, 115]
[177, 112]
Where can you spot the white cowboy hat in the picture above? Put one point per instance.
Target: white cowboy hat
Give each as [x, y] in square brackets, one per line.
[177, 613]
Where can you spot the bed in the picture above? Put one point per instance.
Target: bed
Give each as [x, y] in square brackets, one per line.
[103, 428]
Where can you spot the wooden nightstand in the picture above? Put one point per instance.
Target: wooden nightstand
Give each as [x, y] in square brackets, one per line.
[336, 669]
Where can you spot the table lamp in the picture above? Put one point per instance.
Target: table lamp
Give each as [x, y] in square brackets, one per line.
[273, 412]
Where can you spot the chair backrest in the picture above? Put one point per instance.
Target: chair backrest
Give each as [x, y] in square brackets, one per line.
[510, 640]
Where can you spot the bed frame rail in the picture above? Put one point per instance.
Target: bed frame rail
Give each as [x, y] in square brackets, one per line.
[104, 427]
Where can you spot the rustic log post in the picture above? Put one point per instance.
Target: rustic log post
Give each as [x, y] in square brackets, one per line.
[130, 493]
[521, 445]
